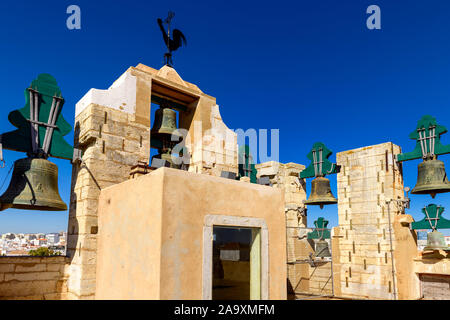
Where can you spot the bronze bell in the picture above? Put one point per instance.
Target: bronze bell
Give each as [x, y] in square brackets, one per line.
[322, 250]
[321, 193]
[436, 241]
[33, 186]
[431, 178]
[165, 122]
[164, 130]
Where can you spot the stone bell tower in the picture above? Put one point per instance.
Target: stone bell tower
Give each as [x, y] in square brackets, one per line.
[364, 241]
[112, 129]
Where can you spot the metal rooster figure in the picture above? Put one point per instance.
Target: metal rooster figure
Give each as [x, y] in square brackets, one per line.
[178, 38]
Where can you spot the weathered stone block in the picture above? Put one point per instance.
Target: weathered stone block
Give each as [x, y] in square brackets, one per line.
[30, 267]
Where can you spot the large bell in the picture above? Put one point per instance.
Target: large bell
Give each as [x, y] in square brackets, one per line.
[164, 130]
[322, 250]
[33, 186]
[165, 122]
[431, 179]
[436, 241]
[321, 193]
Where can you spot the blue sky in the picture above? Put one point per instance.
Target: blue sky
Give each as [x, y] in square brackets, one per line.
[309, 68]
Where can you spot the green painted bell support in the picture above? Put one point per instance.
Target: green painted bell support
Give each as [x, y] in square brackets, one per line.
[321, 231]
[433, 219]
[428, 140]
[20, 139]
[246, 164]
[320, 165]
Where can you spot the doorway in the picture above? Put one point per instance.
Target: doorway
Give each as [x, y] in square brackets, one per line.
[254, 234]
[236, 263]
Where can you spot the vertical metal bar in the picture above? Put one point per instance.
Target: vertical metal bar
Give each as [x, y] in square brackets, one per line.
[53, 122]
[36, 118]
[428, 218]
[332, 271]
[392, 251]
[2, 161]
[314, 162]
[50, 117]
[33, 133]
[425, 141]
[433, 140]
[320, 161]
[424, 153]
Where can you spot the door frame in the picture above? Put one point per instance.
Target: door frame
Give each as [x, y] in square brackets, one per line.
[237, 222]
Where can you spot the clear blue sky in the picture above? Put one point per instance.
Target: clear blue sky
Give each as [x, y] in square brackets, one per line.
[310, 68]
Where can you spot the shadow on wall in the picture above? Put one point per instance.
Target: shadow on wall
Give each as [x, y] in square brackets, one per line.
[73, 226]
[290, 290]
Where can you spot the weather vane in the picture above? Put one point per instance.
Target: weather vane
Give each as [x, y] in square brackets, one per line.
[178, 38]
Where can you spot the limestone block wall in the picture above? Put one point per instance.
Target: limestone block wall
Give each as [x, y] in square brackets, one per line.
[362, 261]
[213, 145]
[112, 142]
[286, 177]
[33, 278]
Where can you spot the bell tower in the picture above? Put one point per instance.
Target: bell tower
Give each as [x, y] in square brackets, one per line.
[363, 243]
[112, 130]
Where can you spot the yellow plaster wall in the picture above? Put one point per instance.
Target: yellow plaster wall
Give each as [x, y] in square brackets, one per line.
[140, 232]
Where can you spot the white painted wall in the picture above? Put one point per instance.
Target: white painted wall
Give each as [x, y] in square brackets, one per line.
[121, 95]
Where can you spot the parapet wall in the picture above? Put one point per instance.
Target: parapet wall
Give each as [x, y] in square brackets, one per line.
[33, 278]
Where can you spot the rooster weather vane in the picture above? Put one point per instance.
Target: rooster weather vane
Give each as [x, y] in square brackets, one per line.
[178, 38]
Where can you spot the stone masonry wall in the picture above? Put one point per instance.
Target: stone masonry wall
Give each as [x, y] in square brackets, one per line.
[302, 278]
[362, 262]
[112, 143]
[33, 278]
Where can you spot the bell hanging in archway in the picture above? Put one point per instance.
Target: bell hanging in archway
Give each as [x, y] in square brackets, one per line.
[321, 193]
[322, 250]
[33, 186]
[165, 122]
[435, 241]
[164, 130]
[431, 179]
